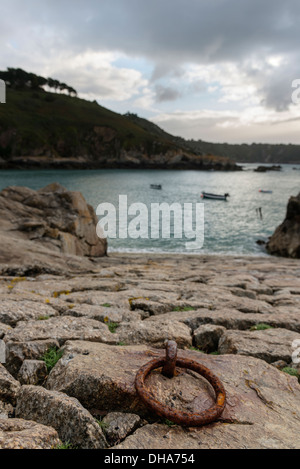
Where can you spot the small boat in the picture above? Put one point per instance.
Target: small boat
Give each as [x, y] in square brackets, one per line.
[265, 192]
[206, 195]
[156, 186]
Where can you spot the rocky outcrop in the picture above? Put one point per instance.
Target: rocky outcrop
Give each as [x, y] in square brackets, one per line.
[286, 239]
[53, 217]
[264, 169]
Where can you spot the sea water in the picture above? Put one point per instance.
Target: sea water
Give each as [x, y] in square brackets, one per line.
[231, 227]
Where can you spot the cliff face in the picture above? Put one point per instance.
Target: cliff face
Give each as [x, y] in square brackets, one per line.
[43, 130]
[286, 239]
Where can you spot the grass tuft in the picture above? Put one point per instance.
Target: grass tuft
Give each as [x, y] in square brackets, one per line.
[260, 327]
[51, 357]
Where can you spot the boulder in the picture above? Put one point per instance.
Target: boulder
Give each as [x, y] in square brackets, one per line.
[9, 387]
[21, 434]
[207, 337]
[146, 332]
[51, 219]
[72, 422]
[32, 372]
[117, 426]
[285, 241]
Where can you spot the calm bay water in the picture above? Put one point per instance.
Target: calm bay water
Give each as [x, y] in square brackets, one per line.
[231, 227]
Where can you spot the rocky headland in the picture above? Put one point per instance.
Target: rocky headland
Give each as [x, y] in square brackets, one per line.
[285, 241]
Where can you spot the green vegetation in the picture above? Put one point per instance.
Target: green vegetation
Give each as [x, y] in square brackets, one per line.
[253, 153]
[106, 305]
[195, 349]
[168, 422]
[113, 326]
[51, 357]
[292, 372]
[55, 126]
[66, 445]
[102, 425]
[241, 153]
[44, 119]
[43, 318]
[18, 79]
[184, 308]
[260, 327]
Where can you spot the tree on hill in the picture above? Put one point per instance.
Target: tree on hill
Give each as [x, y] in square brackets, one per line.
[19, 79]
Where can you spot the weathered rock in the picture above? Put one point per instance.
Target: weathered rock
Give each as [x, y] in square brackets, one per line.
[232, 319]
[62, 329]
[21, 434]
[4, 328]
[279, 364]
[286, 239]
[11, 312]
[143, 332]
[72, 422]
[6, 410]
[217, 436]
[9, 387]
[54, 216]
[103, 313]
[32, 372]
[195, 291]
[102, 377]
[17, 352]
[118, 426]
[207, 337]
[269, 345]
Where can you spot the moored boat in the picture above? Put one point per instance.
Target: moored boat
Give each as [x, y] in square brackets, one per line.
[206, 195]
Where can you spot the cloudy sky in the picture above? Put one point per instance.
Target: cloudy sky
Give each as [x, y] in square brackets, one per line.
[216, 70]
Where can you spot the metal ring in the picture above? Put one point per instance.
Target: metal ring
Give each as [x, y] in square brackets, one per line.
[183, 418]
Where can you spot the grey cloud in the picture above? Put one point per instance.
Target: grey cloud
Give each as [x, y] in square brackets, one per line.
[169, 33]
[166, 93]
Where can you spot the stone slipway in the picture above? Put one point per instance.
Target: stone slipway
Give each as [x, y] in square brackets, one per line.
[111, 319]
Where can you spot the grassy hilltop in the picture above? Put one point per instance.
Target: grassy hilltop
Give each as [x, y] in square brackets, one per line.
[47, 129]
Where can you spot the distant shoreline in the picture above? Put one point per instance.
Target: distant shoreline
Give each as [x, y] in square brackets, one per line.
[26, 164]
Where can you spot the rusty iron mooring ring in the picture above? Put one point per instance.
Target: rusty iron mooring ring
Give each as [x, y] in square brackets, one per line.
[181, 417]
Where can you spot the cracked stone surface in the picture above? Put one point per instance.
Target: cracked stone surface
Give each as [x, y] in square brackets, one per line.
[111, 319]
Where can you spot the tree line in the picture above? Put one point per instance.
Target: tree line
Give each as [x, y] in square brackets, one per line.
[17, 78]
